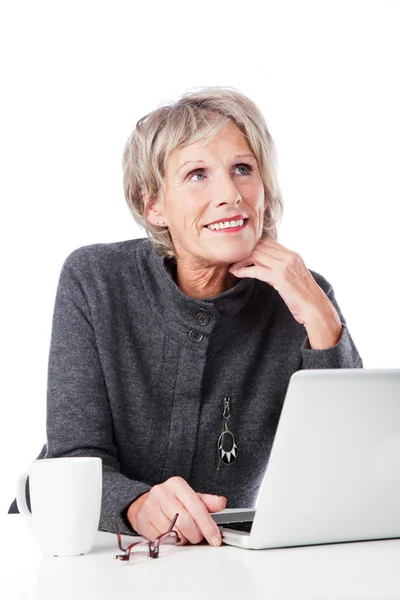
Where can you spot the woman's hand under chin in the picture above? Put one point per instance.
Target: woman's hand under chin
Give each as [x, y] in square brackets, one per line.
[287, 273]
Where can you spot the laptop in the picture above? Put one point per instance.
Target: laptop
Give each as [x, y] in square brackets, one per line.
[333, 474]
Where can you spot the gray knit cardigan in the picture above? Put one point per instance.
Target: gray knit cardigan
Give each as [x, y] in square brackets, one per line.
[138, 372]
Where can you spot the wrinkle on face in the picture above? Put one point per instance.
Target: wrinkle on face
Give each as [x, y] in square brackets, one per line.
[204, 258]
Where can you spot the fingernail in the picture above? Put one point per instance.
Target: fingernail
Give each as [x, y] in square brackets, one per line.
[216, 541]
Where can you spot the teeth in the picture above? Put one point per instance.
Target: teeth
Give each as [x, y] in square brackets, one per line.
[226, 224]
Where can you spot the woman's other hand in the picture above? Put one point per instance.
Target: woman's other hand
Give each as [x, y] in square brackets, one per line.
[287, 273]
[151, 514]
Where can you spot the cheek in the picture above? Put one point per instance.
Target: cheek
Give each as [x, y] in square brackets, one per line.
[189, 218]
[262, 201]
[181, 223]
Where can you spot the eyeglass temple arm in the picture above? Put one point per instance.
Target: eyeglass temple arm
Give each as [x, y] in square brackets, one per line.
[119, 537]
[170, 528]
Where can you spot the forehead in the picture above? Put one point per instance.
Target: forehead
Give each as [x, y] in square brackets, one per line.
[228, 141]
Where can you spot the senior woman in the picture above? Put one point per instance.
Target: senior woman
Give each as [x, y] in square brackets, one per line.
[160, 344]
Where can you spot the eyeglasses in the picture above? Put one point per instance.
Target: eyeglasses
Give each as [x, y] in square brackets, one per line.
[169, 538]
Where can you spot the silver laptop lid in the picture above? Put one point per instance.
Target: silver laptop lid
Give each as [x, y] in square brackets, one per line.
[334, 470]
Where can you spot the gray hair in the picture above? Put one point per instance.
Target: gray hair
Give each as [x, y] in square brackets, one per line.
[198, 115]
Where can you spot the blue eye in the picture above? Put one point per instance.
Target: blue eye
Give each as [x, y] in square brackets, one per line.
[249, 169]
[196, 172]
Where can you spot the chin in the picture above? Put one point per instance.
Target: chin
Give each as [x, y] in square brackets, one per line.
[232, 253]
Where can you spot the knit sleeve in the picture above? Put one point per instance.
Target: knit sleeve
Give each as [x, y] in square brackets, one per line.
[79, 420]
[344, 355]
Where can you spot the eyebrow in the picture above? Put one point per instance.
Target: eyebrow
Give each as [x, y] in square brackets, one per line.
[202, 162]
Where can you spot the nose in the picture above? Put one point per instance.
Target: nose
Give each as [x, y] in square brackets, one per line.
[225, 192]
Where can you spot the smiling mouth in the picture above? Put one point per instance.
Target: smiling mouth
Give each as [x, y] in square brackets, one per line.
[234, 225]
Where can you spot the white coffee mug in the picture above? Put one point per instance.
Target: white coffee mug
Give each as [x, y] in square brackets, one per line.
[65, 495]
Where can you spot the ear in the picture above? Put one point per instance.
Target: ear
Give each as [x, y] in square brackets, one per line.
[154, 213]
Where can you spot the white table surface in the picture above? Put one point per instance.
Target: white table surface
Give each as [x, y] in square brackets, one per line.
[351, 570]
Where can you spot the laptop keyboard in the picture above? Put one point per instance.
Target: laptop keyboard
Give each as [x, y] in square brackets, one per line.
[243, 526]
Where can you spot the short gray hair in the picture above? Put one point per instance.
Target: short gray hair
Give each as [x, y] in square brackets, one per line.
[198, 115]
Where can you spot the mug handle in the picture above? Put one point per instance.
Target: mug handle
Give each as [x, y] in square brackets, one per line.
[21, 496]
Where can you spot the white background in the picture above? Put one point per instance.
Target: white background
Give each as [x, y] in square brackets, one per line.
[76, 77]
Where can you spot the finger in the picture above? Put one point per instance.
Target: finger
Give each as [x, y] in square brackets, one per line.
[273, 246]
[153, 523]
[167, 505]
[213, 503]
[262, 256]
[243, 263]
[274, 250]
[267, 257]
[186, 525]
[198, 511]
[179, 525]
[264, 248]
[148, 530]
[183, 539]
[257, 272]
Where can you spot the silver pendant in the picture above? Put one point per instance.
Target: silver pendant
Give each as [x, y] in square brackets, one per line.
[227, 456]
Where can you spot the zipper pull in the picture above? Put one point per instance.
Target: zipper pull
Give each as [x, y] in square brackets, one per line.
[226, 408]
[226, 456]
[227, 412]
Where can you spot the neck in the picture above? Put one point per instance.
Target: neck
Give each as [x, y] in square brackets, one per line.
[203, 281]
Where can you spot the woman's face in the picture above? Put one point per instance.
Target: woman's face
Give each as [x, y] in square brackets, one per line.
[204, 191]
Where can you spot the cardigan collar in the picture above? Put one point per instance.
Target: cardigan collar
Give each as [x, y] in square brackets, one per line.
[179, 311]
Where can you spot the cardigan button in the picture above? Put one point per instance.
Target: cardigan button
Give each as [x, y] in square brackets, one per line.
[195, 336]
[203, 318]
